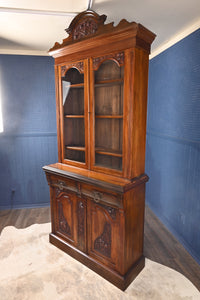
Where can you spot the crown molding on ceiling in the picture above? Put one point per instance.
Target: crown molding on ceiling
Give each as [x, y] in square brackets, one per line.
[37, 12]
[175, 39]
[23, 52]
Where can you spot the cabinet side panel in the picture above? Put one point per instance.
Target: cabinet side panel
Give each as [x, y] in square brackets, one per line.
[134, 225]
[128, 112]
[140, 82]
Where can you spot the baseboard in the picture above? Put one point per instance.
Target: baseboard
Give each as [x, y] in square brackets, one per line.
[120, 281]
[21, 206]
[163, 219]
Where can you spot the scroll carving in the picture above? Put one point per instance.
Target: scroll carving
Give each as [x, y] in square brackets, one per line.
[118, 57]
[57, 192]
[112, 211]
[63, 224]
[102, 244]
[77, 65]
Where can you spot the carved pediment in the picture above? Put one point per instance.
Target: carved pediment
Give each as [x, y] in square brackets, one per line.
[84, 24]
[87, 24]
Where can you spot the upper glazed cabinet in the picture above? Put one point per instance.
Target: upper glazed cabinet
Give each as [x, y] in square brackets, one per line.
[91, 114]
[101, 96]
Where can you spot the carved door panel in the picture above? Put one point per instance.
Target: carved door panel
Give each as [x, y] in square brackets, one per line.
[65, 216]
[104, 234]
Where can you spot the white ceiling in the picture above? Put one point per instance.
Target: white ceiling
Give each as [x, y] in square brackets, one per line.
[32, 27]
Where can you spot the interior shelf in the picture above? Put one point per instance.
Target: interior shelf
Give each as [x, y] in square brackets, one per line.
[74, 116]
[77, 148]
[76, 85]
[110, 152]
[104, 83]
[109, 116]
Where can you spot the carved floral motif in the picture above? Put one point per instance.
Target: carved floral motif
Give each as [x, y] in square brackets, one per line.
[118, 57]
[85, 28]
[102, 244]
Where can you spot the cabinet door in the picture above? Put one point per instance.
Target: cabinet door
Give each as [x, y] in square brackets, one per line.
[105, 235]
[65, 218]
[70, 218]
[74, 113]
[108, 112]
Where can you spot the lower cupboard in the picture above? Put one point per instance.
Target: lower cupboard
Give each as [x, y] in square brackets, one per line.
[100, 227]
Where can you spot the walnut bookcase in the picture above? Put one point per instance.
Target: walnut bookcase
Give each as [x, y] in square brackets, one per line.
[97, 188]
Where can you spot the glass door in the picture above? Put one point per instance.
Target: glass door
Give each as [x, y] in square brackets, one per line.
[73, 106]
[108, 115]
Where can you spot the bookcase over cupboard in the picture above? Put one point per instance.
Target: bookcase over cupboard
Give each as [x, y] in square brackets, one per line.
[97, 188]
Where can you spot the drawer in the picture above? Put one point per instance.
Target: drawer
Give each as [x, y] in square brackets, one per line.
[65, 184]
[96, 194]
[101, 196]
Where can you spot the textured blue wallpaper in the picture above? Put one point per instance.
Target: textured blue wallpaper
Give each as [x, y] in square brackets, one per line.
[173, 140]
[29, 140]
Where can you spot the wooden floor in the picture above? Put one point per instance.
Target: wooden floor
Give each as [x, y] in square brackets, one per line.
[159, 244]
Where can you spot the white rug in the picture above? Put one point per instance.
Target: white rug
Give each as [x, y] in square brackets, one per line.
[33, 269]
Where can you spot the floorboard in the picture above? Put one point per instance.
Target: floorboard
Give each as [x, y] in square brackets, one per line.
[159, 244]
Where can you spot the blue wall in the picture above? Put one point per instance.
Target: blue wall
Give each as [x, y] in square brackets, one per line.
[173, 140]
[29, 140]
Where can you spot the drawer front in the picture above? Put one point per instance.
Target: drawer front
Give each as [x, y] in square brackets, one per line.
[89, 191]
[64, 184]
[102, 196]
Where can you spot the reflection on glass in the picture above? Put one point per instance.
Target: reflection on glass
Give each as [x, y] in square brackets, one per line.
[65, 89]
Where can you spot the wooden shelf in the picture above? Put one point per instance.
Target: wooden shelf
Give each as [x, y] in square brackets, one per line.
[74, 116]
[104, 83]
[109, 152]
[109, 116]
[76, 148]
[76, 85]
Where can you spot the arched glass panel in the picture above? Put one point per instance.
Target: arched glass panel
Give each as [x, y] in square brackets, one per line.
[74, 118]
[109, 90]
